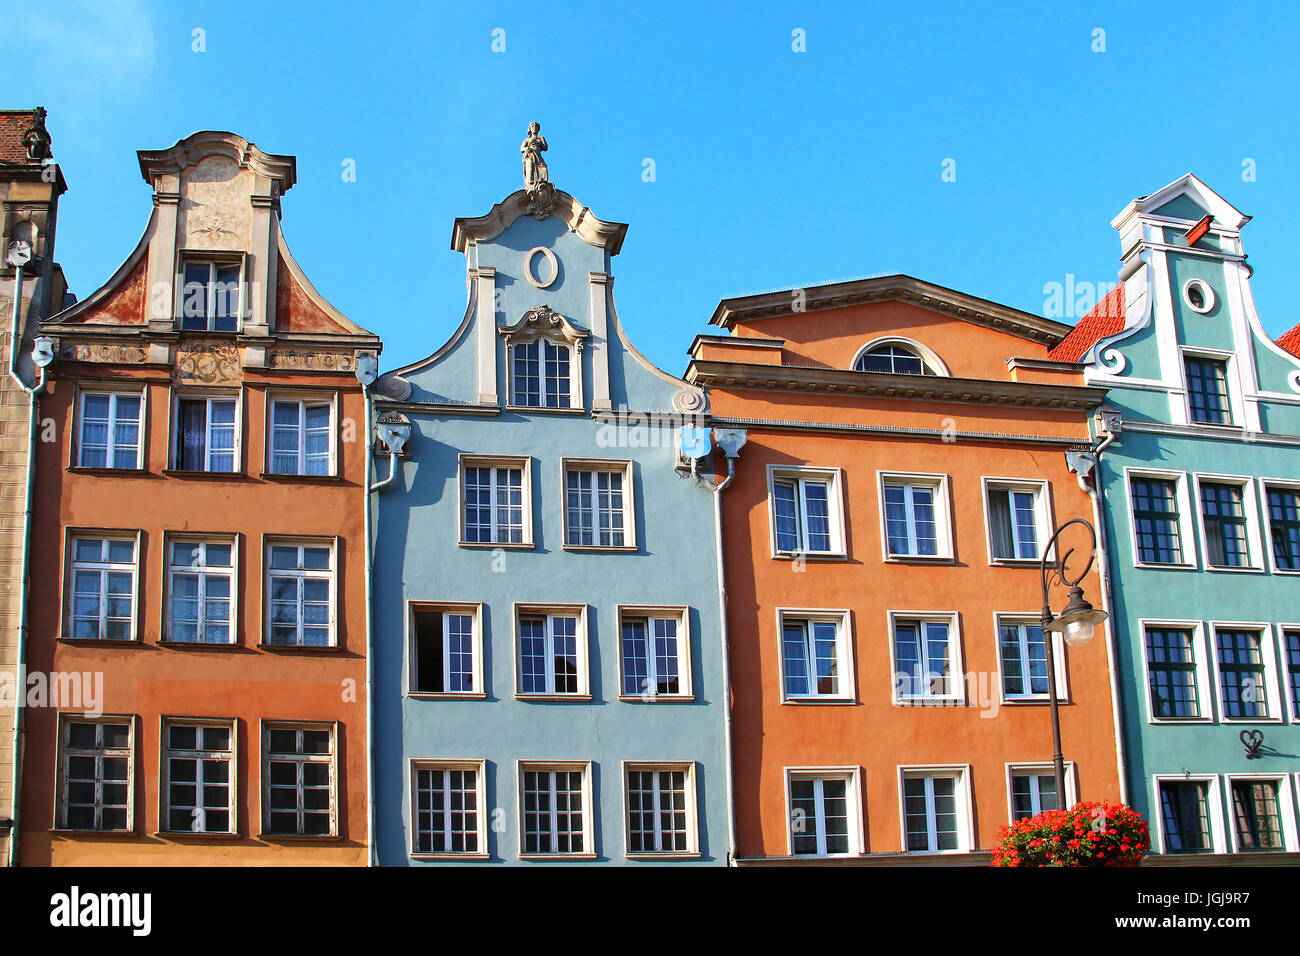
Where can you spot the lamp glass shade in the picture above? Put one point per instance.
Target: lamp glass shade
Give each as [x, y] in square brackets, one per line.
[1079, 632]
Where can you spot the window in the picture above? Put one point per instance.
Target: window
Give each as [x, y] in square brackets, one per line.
[1291, 647]
[893, 359]
[302, 437]
[205, 434]
[916, 519]
[660, 809]
[1207, 391]
[210, 296]
[1242, 679]
[300, 586]
[1257, 815]
[1023, 655]
[96, 768]
[1284, 526]
[1156, 520]
[103, 588]
[1223, 513]
[598, 504]
[1017, 520]
[555, 799]
[1185, 816]
[1033, 790]
[448, 808]
[200, 575]
[445, 650]
[109, 436]
[541, 374]
[655, 653]
[806, 511]
[552, 651]
[298, 775]
[198, 777]
[824, 812]
[496, 497]
[935, 811]
[927, 663]
[815, 659]
[1172, 673]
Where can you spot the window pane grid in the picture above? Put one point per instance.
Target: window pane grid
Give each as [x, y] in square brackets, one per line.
[553, 811]
[300, 582]
[1207, 391]
[199, 762]
[819, 823]
[300, 781]
[930, 813]
[200, 577]
[103, 589]
[922, 654]
[1171, 669]
[494, 506]
[1284, 525]
[1255, 811]
[446, 810]
[595, 508]
[301, 437]
[911, 527]
[1185, 812]
[1155, 520]
[657, 811]
[1241, 674]
[1223, 511]
[110, 431]
[97, 775]
[548, 654]
[1032, 794]
[1024, 660]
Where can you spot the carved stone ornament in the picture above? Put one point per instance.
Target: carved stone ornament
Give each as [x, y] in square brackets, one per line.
[37, 139]
[534, 144]
[207, 363]
[85, 352]
[541, 200]
[544, 322]
[394, 387]
[688, 400]
[311, 361]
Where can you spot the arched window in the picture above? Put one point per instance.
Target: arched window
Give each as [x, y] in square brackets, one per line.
[897, 358]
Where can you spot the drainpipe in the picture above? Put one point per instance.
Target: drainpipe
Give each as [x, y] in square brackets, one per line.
[43, 355]
[730, 441]
[367, 367]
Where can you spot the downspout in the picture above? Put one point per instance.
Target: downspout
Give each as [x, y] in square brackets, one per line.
[19, 713]
[370, 643]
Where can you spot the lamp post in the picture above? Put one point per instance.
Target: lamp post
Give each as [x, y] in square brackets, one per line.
[1076, 623]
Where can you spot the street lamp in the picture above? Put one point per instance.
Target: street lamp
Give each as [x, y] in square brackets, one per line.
[1076, 624]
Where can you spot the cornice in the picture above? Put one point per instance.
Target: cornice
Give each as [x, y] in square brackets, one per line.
[930, 388]
[577, 217]
[198, 146]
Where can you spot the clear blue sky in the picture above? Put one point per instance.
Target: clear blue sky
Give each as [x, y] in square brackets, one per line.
[772, 168]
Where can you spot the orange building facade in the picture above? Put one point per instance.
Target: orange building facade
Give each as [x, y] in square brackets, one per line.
[910, 451]
[198, 607]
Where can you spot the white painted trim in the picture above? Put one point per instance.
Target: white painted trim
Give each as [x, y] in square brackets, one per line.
[1039, 768]
[546, 611]
[1268, 658]
[589, 807]
[834, 477]
[479, 766]
[943, 515]
[692, 809]
[1186, 523]
[856, 800]
[966, 841]
[1264, 484]
[927, 355]
[1062, 682]
[682, 614]
[1043, 515]
[1285, 809]
[1213, 809]
[844, 647]
[1206, 688]
[956, 697]
[473, 609]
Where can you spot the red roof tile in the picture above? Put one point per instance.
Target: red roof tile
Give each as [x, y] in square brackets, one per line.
[1106, 318]
[1291, 341]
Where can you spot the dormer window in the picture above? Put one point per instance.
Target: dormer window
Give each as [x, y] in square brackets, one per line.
[898, 358]
[210, 295]
[544, 361]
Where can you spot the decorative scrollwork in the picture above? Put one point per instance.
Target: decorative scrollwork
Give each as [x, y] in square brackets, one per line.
[1057, 572]
[689, 401]
[1294, 381]
[1113, 361]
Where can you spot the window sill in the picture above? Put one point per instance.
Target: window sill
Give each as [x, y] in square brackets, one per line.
[930, 702]
[1223, 568]
[818, 700]
[1179, 721]
[280, 476]
[1149, 566]
[451, 856]
[596, 548]
[1251, 720]
[494, 545]
[545, 410]
[100, 641]
[1016, 562]
[310, 648]
[1040, 699]
[558, 857]
[299, 838]
[684, 855]
[657, 698]
[1277, 570]
[119, 472]
[919, 559]
[810, 556]
[577, 698]
[202, 645]
[117, 834]
[182, 836]
[190, 473]
[438, 695]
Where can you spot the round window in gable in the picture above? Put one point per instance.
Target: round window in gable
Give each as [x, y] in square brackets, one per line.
[1198, 295]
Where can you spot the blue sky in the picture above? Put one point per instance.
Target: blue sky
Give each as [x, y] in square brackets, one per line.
[772, 167]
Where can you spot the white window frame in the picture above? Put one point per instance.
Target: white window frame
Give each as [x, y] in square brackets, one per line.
[842, 618]
[1286, 810]
[547, 612]
[692, 809]
[942, 516]
[298, 726]
[1062, 676]
[966, 841]
[854, 794]
[575, 350]
[494, 462]
[1284, 670]
[208, 397]
[472, 610]
[166, 753]
[1250, 510]
[302, 400]
[681, 614]
[64, 754]
[957, 672]
[589, 808]
[1043, 522]
[1034, 770]
[1188, 542]
[214, 261]
[1268, 657]
[1288, 484]
[800, 475]
[71, 566]
[1214, 807]
[113, 394]
[621, 466]
[331, 575]
[1203, 657]
[1236, 406]
[482, 811]
[232, 541]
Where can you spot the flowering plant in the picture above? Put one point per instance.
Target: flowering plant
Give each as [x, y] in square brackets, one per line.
[1088, 834]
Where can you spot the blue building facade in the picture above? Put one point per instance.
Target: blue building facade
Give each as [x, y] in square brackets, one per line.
[1200, 477]
[548, 653]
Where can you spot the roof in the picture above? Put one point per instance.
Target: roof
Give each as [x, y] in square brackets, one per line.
[1106, 318]
[1291, 341]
